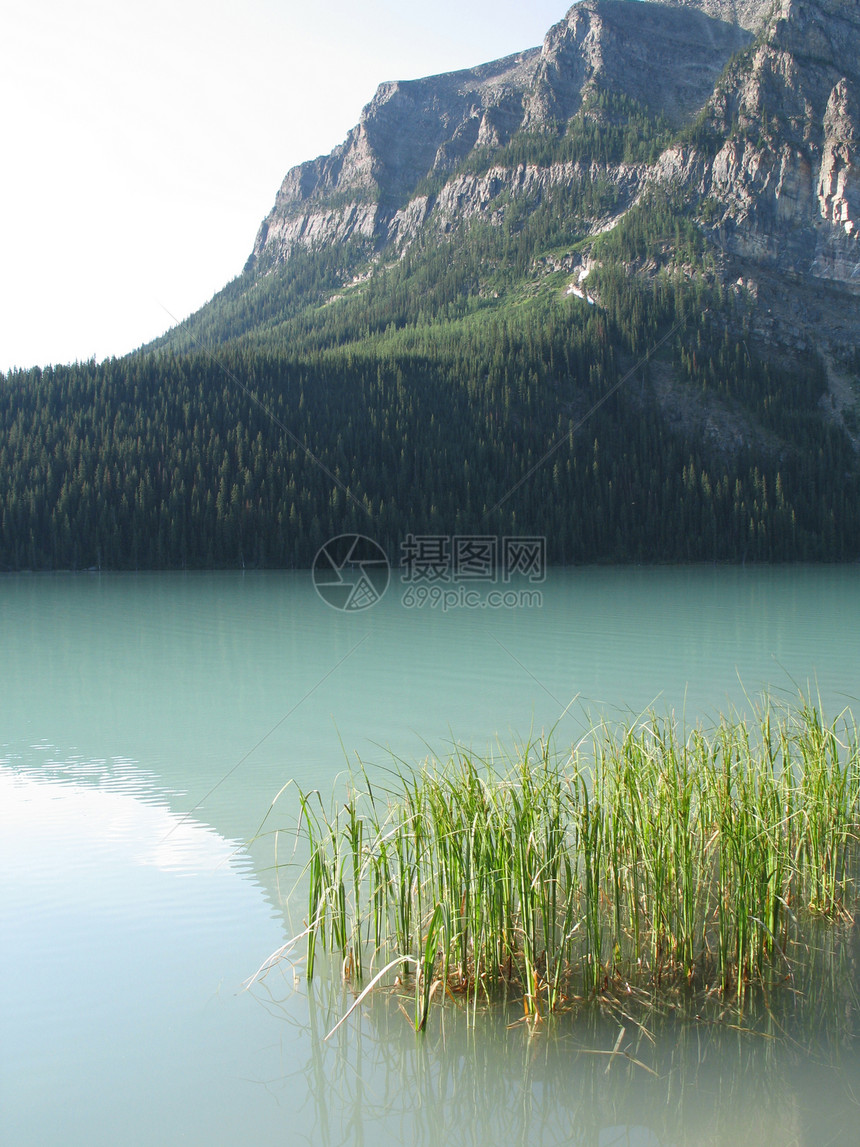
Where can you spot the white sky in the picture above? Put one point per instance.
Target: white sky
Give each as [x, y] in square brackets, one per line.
[142, 143]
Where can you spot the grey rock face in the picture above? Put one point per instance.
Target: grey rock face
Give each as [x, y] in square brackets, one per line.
[665, 58]
[409, 131]
[786, 178]
[783, 109]
[748, 14]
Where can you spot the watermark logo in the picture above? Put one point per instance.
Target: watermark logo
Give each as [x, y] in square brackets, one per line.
[448, 597]
[458, 559]
[438, 571]
[351, 572]
[459, 571]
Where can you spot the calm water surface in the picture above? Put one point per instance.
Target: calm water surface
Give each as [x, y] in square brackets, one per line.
[146, 724]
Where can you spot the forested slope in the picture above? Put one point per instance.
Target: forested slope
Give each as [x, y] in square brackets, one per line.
[387, 421]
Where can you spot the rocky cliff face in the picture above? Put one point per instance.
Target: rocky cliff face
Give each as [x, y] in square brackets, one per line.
[771, 164]
[408, 131]
[780, 176]
[748, 14]
[667, 59]
[785, 178]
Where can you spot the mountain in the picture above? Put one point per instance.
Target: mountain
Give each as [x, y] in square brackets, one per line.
[604, 290]
[772, 167]
[746, 109]
[419, 131]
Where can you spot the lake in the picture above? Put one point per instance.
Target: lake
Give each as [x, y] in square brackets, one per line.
[147, 722]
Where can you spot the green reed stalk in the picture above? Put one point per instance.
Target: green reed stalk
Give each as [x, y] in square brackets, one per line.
[683, 855]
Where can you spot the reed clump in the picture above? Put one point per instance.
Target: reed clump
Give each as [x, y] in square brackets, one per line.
[647, 855]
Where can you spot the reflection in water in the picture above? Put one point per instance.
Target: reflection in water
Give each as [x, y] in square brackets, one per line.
[125, 934]
[127, 699]
[636, 1073]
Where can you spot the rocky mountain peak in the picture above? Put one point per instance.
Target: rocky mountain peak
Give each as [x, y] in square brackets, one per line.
[665, 57]
[772, 84]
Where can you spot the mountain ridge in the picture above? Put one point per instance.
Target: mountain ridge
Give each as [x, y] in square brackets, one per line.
[532, 91]
[750, 107]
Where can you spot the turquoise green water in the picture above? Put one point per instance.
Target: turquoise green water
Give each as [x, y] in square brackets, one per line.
[146, 723]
